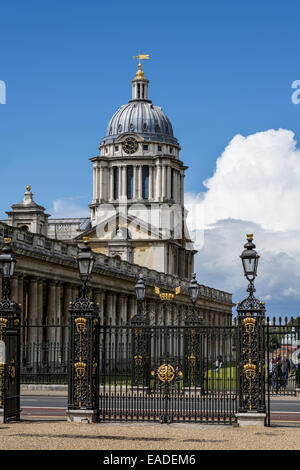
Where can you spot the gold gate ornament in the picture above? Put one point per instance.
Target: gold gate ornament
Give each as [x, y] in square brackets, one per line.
[166, 373]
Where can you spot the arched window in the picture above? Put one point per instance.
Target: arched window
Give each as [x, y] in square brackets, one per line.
[129, 182]
[145, 182]
[116, 182]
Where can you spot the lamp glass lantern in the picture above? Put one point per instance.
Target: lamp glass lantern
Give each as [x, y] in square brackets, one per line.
[7, 260]
[86, 260]
[193, 288]
[250, 259]
[140, 289]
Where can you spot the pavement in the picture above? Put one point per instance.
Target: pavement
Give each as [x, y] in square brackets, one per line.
[43, 426]
[53, 434]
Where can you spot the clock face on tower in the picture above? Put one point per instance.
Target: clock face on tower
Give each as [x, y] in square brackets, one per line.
[130, 145]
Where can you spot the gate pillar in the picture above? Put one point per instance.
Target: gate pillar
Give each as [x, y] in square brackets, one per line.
[83, 393]
[251, 353]
[140, 345]
[193, 375]
[10, 315]
[83, 396]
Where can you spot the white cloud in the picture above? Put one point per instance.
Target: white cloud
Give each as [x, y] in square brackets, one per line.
[68, 207]
[257, 178]
[255, 189]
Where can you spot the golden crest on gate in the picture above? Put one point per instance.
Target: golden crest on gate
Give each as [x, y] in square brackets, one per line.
[166, 373]
[250, 370]
[80, 368]
[80, 324]
[249, 323]
[138, 360]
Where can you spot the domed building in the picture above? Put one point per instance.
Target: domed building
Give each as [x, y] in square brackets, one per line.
[138, 185]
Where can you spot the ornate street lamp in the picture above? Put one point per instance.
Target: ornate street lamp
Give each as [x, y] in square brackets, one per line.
[85, 260]
[83, 399]
[140, 341]
[7, 266]
[251, 348]
[10, 314]
[193, 289]
[250, 259]
[140, 289]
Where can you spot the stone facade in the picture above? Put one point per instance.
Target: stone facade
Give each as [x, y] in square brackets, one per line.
[47, 280]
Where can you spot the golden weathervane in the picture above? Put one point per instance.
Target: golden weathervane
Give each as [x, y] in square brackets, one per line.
[141, 57]
[140, 73]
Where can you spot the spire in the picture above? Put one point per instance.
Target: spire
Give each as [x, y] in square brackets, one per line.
[140, 82]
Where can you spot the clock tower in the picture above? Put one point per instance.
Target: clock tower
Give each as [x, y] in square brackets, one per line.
[137, 211]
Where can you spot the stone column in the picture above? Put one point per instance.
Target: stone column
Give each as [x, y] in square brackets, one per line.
[120, 182]
[20, 291]
[135, 182]
[169, 175]
[32, 312]
[94, 183]
[40, 292]
[58, 316]
[14, 289]
[124, 183]
[51, 310]
[140, 183]
[182, 190]
[164, 186]
[101, 184]
[158, 182]
[151, 182]
[111, 184]
[97, 182]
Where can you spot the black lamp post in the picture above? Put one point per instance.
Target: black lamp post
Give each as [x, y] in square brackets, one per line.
[86, 260]
[7, 264]
[251, 347]
[193, 290]
[140, 290]
[250, 259]
[10, 314]
[83, 396]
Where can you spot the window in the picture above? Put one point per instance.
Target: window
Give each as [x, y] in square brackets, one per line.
[172, 183]
[129, 182]
[116, 148]
[145, 147]
[145, 182]
[159, 148]
[116, 182]
[171, 150]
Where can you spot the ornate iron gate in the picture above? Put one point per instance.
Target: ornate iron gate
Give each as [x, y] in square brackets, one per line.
[168, 373]
[12, 388]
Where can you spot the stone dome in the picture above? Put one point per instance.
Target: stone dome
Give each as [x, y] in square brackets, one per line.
[141, 117]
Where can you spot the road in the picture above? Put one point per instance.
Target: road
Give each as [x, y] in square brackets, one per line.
[48, 406]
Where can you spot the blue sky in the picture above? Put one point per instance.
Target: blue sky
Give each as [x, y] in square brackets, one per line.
[217, 68]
